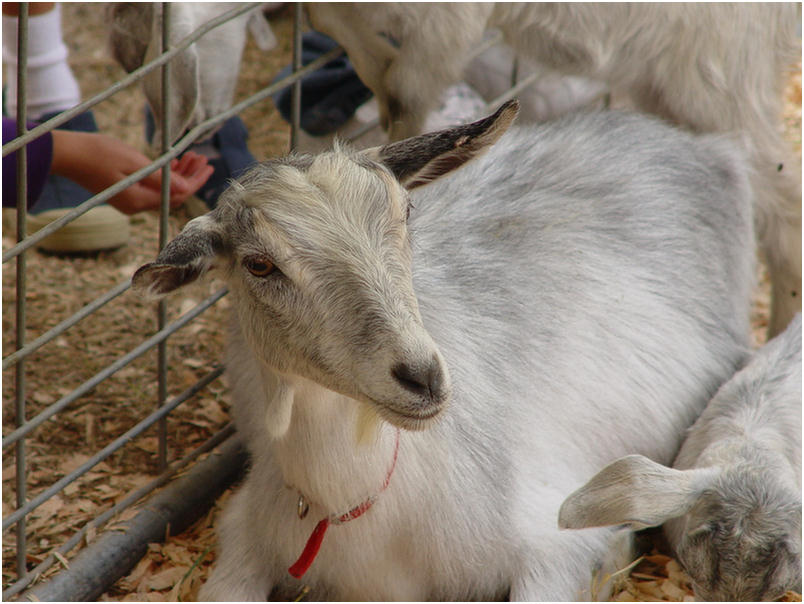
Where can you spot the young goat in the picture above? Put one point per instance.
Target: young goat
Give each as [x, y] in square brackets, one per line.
[732, 505]
[578, 294]
[715, 67]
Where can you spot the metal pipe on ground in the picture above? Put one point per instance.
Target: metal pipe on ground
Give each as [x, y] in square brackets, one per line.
[95, 569]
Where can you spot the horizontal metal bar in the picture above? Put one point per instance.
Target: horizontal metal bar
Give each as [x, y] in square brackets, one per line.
[512, 92]
[119, 442]
[174, 509]
[135, 75]
[370, 125]
[494, 39]
[268, 91]
[111, 369]
[59, 329]
[132, 498]
[176, 150]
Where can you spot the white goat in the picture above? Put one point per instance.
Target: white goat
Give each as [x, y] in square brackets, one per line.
[578, 294]
[732, 505]
[712, 67]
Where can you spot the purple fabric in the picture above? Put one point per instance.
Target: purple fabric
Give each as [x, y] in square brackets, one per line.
[39, 153]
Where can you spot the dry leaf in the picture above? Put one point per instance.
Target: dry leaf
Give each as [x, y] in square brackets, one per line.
[46, 511]
[196, 363]
[165, 579]
[672, 591]
[73, 462]
[43, 398]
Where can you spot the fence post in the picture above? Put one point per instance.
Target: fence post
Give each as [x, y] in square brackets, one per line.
[296, 90]
[162, 353]
[22, 216]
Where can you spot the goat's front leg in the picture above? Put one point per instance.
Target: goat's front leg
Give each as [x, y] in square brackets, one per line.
[571, 566]
[245, 570]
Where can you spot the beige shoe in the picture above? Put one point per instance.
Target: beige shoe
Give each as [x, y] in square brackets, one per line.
[101, 228]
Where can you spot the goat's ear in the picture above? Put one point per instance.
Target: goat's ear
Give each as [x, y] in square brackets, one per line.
[185, 78]
[130, 32]
[634, 491]
[184, 82]
[182, 261]
[261, 31]
[136, 39]
[420, 159]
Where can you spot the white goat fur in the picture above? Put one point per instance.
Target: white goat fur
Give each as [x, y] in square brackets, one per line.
[571, 291]
[732, 505]
[711, 67]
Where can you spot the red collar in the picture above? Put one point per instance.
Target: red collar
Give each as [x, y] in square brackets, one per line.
[317, 537]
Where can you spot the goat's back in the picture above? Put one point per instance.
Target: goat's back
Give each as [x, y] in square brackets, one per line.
[595, 271]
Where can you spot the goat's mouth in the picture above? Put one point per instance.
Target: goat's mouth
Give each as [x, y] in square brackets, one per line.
[408, 420]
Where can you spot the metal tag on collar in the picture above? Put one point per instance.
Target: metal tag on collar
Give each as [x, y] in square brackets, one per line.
[302, 507]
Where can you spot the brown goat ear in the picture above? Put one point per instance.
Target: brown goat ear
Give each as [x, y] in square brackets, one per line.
[421, 159]
[182, 261]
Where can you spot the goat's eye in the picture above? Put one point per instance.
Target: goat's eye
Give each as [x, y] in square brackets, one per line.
[259, 266]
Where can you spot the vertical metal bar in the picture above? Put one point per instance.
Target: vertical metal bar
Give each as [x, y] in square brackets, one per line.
[22, 216]
[296, 90]
[162, 359]
[515, 71]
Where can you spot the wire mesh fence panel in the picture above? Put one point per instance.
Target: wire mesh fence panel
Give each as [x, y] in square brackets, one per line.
[85, 361]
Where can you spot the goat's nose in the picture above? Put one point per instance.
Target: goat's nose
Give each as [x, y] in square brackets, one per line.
[424, 379]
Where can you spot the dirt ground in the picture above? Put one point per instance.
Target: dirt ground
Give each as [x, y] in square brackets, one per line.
[59, 286]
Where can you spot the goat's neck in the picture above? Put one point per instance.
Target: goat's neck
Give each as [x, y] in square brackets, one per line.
[322, 455]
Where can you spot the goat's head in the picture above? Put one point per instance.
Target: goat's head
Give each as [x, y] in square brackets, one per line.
[741, 540]
[736, 530]
[315, 252]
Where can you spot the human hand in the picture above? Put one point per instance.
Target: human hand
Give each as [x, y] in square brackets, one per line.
[97, 161]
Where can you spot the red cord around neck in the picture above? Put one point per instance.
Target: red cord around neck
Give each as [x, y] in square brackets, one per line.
[317, 536]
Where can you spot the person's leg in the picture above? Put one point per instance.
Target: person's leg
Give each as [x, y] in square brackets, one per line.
[52, 87]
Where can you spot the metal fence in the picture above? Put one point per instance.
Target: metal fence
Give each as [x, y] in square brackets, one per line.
[15, 442]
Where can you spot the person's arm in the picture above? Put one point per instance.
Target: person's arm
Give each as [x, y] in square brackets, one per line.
[97, 161]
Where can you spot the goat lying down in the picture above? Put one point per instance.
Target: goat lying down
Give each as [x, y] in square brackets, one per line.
[710, 67]
[732, 504]
[425, 360]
